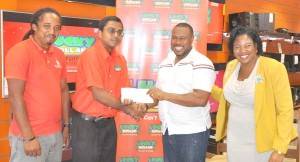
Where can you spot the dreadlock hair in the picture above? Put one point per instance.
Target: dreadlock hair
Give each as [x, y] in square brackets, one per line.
[36, 17]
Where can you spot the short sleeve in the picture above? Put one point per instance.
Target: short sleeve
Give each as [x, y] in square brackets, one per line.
[16, 63]
[204, 76]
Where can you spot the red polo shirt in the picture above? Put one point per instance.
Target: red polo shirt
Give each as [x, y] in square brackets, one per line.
[96, 67]
[42, 71]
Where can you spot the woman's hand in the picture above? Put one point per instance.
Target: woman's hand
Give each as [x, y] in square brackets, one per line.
[275, 157]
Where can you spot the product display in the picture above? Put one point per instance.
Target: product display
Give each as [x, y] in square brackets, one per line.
[257, 21]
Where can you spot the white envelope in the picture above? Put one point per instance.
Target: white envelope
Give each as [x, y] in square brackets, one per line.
[137, 95]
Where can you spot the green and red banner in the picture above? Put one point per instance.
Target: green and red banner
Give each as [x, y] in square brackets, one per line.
[147, 34]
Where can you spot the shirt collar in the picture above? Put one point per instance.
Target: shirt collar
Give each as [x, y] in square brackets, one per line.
[50, 50]
[114, 52]
[172, 56]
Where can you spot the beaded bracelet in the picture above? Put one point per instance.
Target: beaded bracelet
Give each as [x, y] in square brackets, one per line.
[29, 140]
[66, 125]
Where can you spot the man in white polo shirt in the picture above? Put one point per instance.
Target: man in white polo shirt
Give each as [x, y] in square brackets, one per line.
[182, 90]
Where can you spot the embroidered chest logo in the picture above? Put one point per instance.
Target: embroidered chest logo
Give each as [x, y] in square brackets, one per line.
[57, 64]
[118, 68]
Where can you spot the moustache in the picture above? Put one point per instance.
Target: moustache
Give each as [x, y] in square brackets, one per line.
[51, 35]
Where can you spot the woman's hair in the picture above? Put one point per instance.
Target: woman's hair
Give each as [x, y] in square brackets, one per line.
[36, 17]
[105, 20]
[251, 33]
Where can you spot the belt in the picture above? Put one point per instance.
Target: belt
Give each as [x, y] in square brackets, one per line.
[88, 117]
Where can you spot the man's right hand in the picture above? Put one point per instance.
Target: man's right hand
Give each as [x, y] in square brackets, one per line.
[136, 110]
[127, 102]
[32, 148]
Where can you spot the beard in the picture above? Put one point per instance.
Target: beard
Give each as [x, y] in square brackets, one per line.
[51, 39]
[49, 43]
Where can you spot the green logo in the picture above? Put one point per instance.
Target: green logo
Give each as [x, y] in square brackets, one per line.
[134, 67]
[129, 159]
[155, 159]
[209, 15]
[133, 2]
[178, 18]
[144, 84]
[74, 45]
[190, 3]
[196, 36]
[155, 129]
[145, 146]
[149, 17]
[162, 34]
[130, 129]
[132, 33]
[118, 68]
[162, 3]
[154, 68]
[149, 51]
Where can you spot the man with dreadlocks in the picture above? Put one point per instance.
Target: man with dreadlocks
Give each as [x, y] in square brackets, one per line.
[39, 97]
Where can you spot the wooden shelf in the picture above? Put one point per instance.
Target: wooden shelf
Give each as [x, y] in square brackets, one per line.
[294, 78]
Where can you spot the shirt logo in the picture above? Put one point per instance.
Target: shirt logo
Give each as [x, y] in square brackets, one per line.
[57, 64]
[118, 68]
[259, 78]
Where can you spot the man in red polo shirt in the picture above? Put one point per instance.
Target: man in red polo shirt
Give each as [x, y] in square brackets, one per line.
[101, 73]
[38, 92]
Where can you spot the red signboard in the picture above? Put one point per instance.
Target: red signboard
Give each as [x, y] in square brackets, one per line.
[215, 23]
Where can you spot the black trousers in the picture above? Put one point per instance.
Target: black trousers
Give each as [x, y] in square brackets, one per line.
[94, 141]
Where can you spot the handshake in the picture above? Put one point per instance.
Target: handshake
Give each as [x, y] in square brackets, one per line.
[137, 101]
[135, 110]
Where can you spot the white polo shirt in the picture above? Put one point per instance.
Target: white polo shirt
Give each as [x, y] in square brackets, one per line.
[195, 71]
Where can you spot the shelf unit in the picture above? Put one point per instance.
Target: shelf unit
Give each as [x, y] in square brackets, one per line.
[294, 78]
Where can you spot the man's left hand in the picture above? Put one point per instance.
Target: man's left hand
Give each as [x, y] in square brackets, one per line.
[66, 137]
